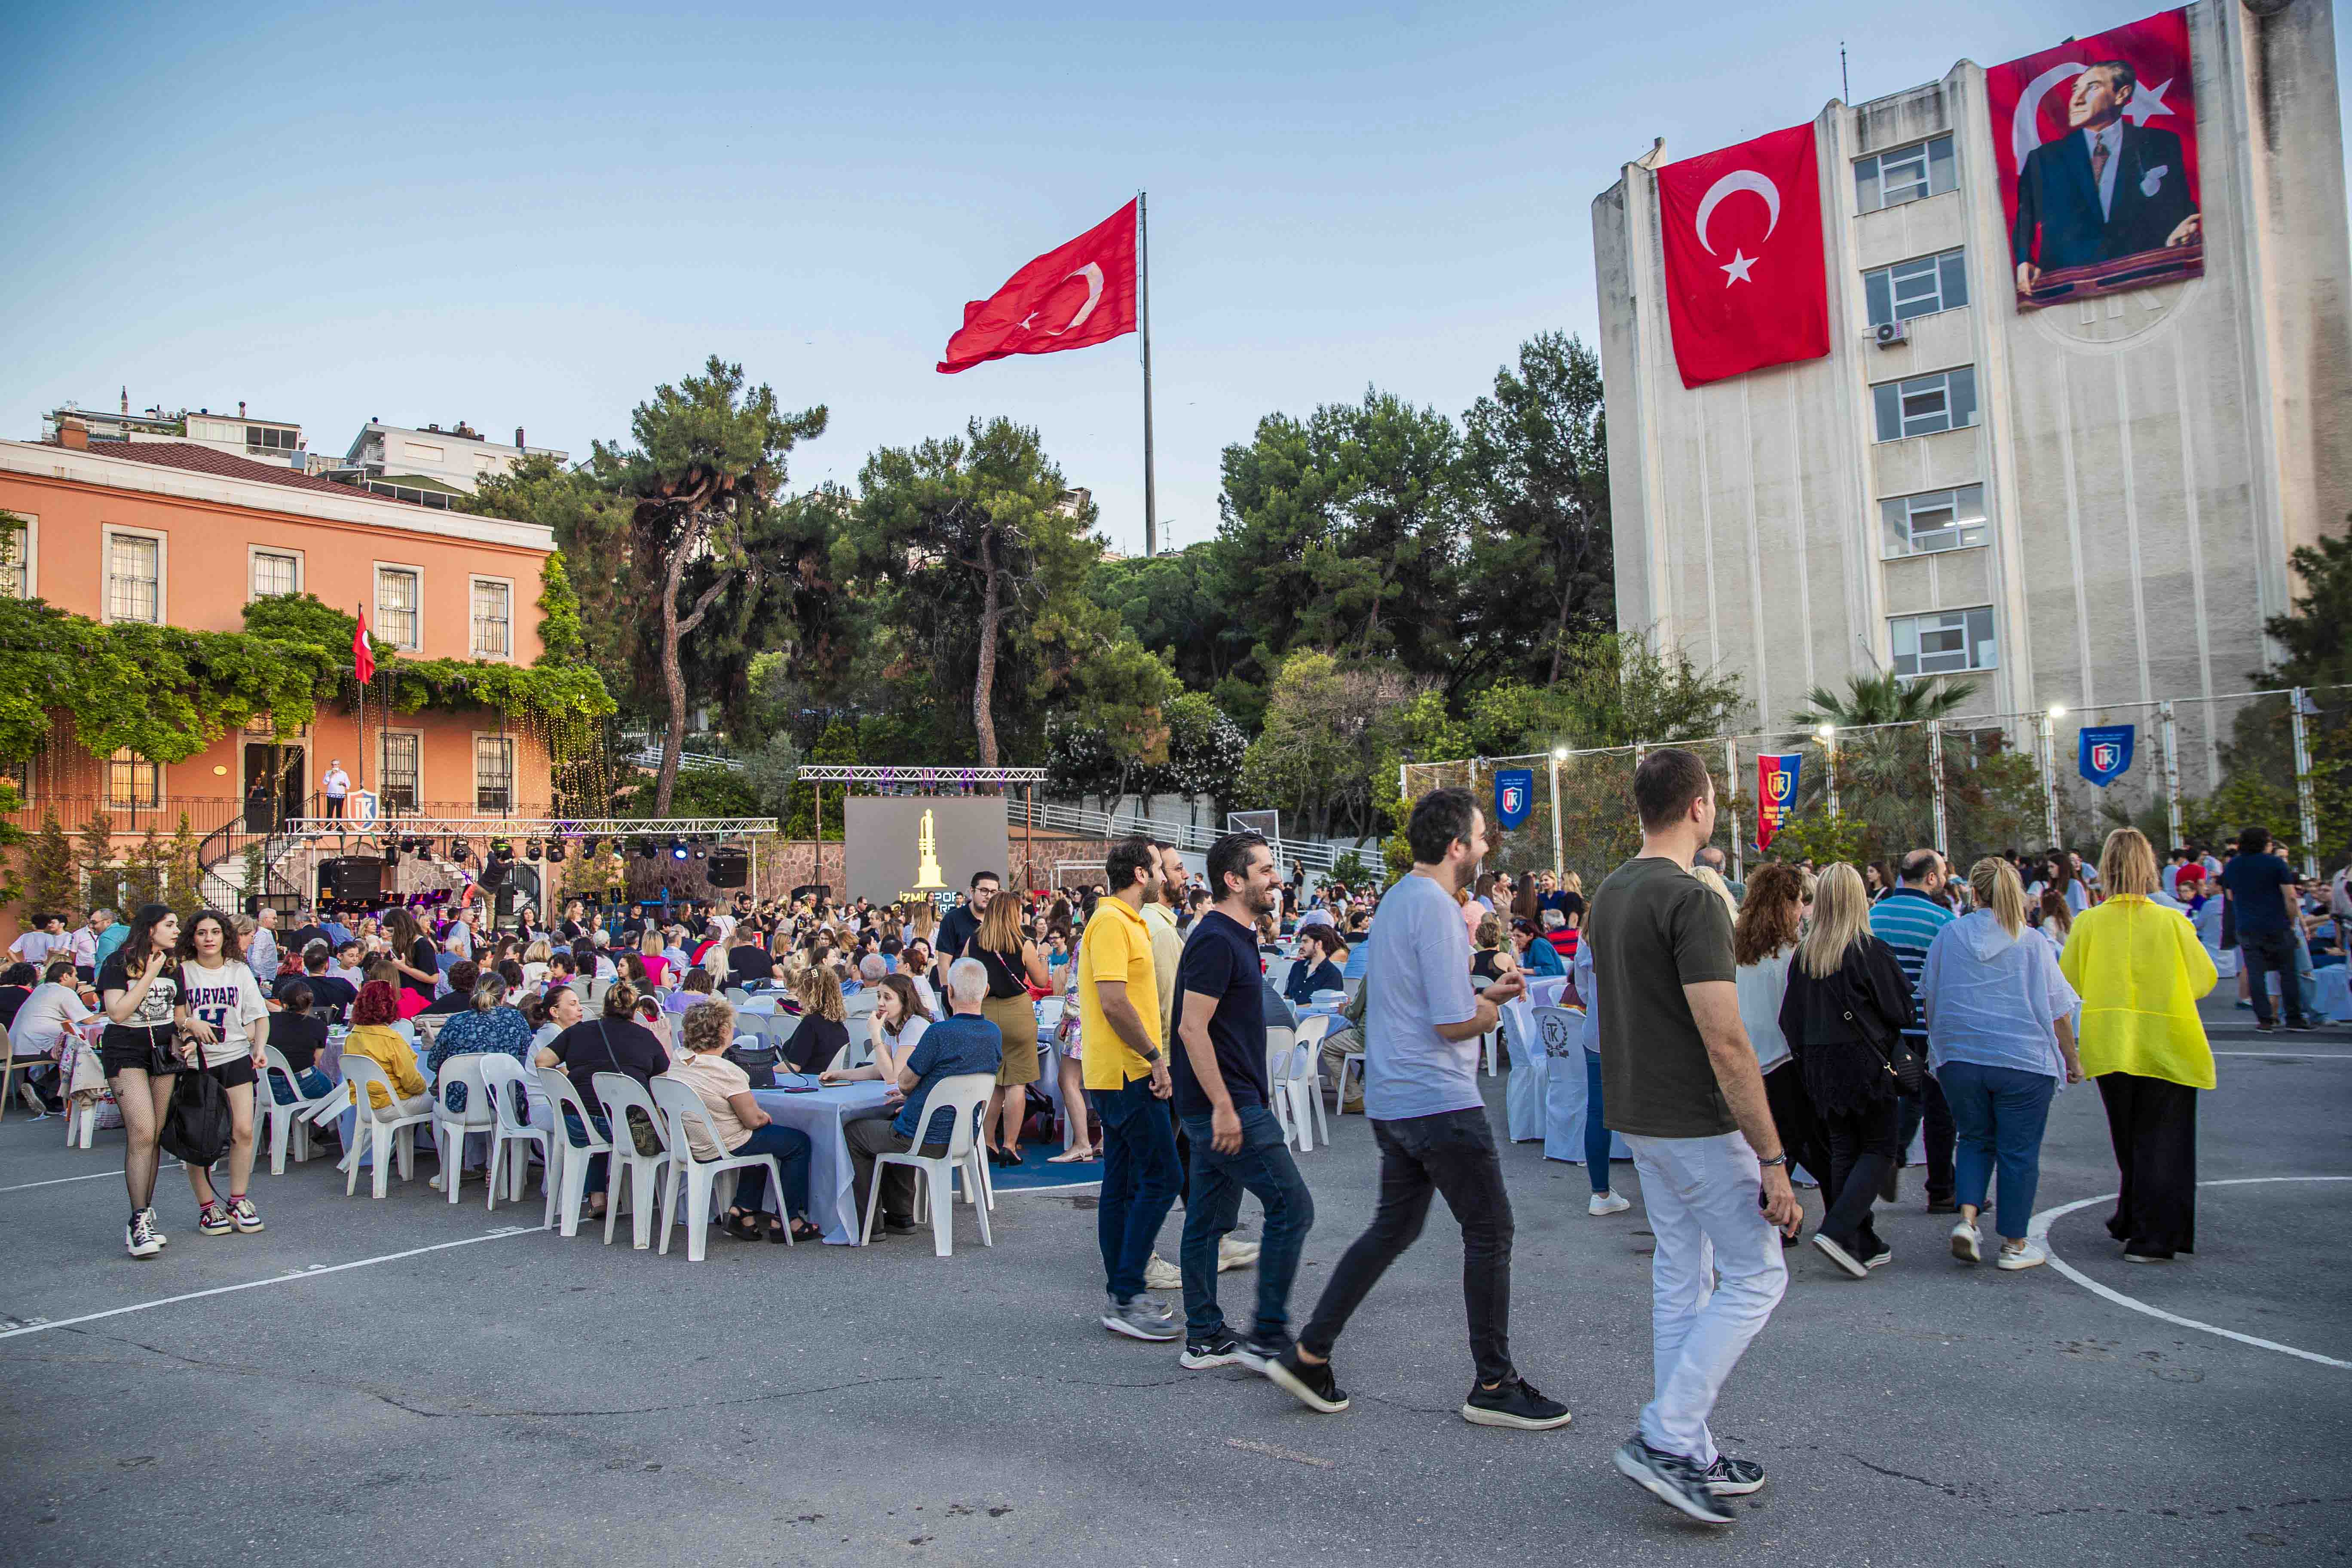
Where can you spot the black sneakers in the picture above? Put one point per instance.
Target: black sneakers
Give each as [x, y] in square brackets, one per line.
[1728, 1477]
[1220, 1349]
[1312, 1386]
[1515, 1402]
[1677, 1482]
[1258, 1349]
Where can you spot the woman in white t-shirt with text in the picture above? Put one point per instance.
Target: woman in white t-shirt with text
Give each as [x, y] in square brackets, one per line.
[223, 1024]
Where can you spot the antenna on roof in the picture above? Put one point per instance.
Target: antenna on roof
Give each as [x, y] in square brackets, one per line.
[1845, 82]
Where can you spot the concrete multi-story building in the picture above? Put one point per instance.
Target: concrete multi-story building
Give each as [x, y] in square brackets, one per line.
[430, 465]
[2086, 504]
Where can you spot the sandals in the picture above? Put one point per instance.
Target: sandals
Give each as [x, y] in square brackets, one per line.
[1074, 1156]
[741, 1226]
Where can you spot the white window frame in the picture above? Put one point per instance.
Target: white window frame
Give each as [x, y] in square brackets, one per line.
[1936, 272]
[114, 803]
[473, 635]
[1964, 522]
[1948, 620]
[514, 762]
[253, 554]
[108, 533]
[376, 627]
[384, 769]
[28, 541]
[1912, 386]
[1901, 155]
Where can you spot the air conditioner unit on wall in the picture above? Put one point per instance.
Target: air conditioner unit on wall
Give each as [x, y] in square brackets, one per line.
[1889, 333]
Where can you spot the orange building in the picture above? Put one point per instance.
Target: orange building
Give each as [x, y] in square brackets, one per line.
[185, 535]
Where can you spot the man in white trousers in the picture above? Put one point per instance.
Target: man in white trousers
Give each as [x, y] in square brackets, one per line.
[1680, 1080]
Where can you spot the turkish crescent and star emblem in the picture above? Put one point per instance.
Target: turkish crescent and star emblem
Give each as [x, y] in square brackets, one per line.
[1738, 179]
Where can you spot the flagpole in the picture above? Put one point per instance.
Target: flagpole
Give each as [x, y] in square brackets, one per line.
[1143, 320]
[359, 714]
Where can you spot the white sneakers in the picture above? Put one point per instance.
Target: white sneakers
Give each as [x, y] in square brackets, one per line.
[1967, 1246]
[1606, 1204]
[1233, 1253]
[1968, 1243]
[1158, 1273]
[2033, 1254]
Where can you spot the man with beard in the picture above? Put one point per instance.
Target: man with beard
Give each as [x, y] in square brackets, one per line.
[1422, 1024]
[1222, 1093]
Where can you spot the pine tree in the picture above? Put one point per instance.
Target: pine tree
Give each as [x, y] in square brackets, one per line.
[50, 886]
[95, 846]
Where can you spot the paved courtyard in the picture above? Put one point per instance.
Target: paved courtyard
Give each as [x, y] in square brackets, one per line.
[415, 1381]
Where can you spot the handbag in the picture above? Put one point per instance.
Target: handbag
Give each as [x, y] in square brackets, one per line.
[641, 1134]
[196, 1126]
[1908, 1063]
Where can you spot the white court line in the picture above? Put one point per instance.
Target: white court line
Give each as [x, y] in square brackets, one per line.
[289, 1278]
[94, 1175]
[2039, 1229]
[2293, 1056]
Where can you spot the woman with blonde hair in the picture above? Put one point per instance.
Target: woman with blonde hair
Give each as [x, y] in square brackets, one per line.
[1843, 1013]
[2141, 969]
[1013, 964]
[824, 1030]
[652, 950]
[2000, 1041]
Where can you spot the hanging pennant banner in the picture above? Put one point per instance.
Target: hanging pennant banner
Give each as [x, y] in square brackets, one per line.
[1775, 793]
[1515, 795]
[2105, 751]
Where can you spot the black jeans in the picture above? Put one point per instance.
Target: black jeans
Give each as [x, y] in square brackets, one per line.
[1863, 1149]
[2270, 953]
[2153, 1125]
[1452, 1152]
[1929, 1106]
[1793, 1119]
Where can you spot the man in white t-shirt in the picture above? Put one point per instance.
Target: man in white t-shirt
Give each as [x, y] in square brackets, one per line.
[337, 785]
[46, 935]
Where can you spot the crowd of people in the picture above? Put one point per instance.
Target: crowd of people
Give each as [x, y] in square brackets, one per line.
[1737, 1033]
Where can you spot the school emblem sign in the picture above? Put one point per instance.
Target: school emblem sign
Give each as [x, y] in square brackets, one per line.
[1515, 795]
[2105, 751]
[1775, 793]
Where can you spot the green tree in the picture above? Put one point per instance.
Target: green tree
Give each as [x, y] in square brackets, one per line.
[1343, 532]
[977, 560]
[51, 886]
[1335, 732]
[1540, 570]
[590, 605]
[94, 847]
[708, 459]
[1177, 606]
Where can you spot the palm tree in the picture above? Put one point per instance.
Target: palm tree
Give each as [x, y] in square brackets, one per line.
[1882, 700]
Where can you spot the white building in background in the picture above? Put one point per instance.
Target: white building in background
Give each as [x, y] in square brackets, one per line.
[2090, 503]
[238, 435]
[431, 465]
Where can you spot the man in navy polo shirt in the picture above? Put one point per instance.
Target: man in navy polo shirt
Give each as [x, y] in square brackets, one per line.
[1222, 1089]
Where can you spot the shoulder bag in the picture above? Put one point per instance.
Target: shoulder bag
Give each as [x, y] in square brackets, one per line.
[642, 1134]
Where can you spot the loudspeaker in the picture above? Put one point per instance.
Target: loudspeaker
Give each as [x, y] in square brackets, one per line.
[351, 877]
[729, 867]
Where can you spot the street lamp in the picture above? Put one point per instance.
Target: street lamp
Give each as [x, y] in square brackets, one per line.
[1828, 732]
[1560, 753]
[2057, 710]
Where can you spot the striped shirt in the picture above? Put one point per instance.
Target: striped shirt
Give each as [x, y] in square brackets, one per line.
[1907, 919]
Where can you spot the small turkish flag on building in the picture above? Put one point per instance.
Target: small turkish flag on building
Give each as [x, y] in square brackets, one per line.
[1072, 297]
[362, 656]
[1745, 279]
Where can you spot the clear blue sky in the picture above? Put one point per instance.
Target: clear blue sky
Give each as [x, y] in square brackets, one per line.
[530, 215]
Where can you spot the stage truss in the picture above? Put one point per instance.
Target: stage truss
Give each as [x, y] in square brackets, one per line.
[519, 827]
[923, 779]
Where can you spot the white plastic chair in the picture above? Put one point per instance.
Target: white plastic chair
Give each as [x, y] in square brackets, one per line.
[450, 1127]
[964, 1095]
[736, 994]
[1306, 1073]
[682, 1107]
[381, 1131]
[288, 1123]
[503, 1076]
[1280, 1047]
[621, 1094]
[571, 1167]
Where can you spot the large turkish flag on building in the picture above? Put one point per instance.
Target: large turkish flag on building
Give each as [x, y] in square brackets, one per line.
[1072, 297]
[1746, 285]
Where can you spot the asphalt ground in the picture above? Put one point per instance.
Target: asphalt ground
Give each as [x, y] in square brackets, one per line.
[521, 1398]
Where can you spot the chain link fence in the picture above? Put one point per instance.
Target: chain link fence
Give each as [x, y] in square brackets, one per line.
[2188, 770]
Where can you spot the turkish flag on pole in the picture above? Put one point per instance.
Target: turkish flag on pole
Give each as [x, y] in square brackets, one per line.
[362, 656]
[1072, 297]
[1747, 284]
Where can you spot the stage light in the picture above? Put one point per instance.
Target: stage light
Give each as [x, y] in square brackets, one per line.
[588, 848]
[677, 848]
[459, 848]
[555, 851]
[530, 850]
[408, 845]
[645, 848]
[502, 850]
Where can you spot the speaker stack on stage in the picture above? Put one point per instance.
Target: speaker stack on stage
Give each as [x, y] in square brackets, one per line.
[729, 867]
[351, 878]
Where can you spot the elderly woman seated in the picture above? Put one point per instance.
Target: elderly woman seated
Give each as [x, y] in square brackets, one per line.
[741, 1127]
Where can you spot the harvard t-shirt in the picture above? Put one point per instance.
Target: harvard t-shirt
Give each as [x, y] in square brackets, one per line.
[1220, 962]
[1654, 929]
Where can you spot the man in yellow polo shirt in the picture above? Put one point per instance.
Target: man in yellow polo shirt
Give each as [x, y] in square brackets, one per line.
[1119, 1045]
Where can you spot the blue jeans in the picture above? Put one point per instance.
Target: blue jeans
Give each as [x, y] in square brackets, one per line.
[1262, 1165]
[314, 1084]
[1138, 1185]
[1596, 1131]
[1998, 1114]
[790, 1145]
